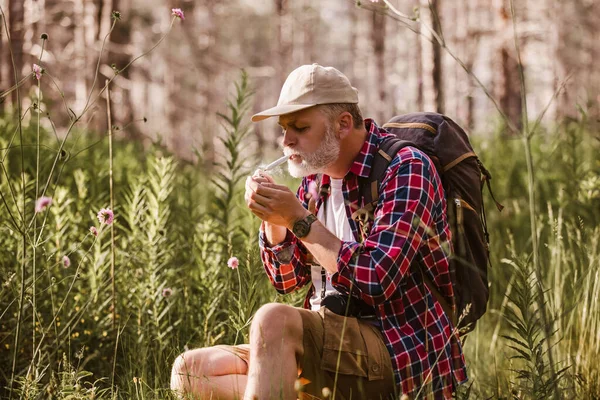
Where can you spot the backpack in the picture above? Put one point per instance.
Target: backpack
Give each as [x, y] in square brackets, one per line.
[463, 177]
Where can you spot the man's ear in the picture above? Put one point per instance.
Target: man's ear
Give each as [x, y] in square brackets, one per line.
[345, 125]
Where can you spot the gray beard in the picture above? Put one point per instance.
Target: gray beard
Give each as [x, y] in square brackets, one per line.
[325, 155]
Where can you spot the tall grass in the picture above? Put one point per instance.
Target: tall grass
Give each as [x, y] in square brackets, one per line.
[177, 225]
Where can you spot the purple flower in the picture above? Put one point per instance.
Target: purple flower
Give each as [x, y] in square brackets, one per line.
[42, 203]
[66, 261]
[233, 263]
[106, 216]
[93, 230]
[37, 71]
[178, 13]
[167, 292]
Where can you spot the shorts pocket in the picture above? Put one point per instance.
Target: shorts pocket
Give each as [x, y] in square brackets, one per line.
[344, 348]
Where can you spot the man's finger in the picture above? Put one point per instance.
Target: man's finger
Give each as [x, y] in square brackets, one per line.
[253, 205]
[276, 186]
[259, 197]
[312, 205]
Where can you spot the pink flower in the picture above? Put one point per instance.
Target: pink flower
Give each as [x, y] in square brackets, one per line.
[42, 203]
[167, 292]
[178, 13]
[93, 230]
[312, 190]
[66, 261]
[233, 263]
[37, 71]
[106, 216]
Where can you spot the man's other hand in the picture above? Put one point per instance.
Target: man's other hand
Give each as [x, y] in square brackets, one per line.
[273, 203]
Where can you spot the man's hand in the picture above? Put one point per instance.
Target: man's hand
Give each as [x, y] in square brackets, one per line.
[273, 203]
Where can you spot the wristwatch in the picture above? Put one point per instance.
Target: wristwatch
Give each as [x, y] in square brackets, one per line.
[302, 227]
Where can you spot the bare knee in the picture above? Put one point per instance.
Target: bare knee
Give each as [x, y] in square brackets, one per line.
[181, 372]
[188, 370]
[276, 325]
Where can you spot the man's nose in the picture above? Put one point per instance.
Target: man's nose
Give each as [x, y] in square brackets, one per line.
[289, 139]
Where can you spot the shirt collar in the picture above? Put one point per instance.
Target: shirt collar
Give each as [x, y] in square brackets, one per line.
[362, 163]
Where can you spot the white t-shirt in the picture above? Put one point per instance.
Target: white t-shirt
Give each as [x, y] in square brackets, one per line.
[332, 214]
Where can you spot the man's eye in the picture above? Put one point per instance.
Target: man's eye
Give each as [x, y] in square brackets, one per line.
[302, 129]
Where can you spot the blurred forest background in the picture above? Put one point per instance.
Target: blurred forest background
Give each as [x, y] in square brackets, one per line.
[82, 302]
[180, 86]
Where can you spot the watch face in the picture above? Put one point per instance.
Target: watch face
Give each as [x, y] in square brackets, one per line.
[301, 228]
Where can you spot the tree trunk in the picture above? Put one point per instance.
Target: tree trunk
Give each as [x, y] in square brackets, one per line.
[79, 62]
[118, 55]
[283, 42]
[507, 87]
[378, 38]
[419, 66]
[433, 93]
[438, 82]
[15, 14]
[352, 11]
[4, 79]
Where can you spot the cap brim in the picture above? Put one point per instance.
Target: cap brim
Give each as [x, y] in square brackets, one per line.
[280, 110]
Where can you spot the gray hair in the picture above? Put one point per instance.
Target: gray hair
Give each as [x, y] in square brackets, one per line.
[332, 111]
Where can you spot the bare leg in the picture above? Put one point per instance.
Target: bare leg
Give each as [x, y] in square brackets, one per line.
[275, 346]
[211, 373]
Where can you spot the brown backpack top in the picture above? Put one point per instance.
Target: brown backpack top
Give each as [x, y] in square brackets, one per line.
[463, 177]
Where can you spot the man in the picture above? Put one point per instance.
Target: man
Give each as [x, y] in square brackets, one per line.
[402, 342]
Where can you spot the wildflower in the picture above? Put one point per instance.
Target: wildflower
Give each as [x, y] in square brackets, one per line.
[167, 292]
[37, 71]
[233, 263]
[66, 261]
[312, 190]
[116, 15]
[326, 392]
[106, 216]
[177, 12]
[42, 203]
[93, 230]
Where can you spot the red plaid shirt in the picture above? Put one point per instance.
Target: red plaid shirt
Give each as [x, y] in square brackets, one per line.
[409, 225]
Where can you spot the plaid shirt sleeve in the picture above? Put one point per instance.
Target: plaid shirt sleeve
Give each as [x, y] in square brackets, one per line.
[285, 263]
[376, 267]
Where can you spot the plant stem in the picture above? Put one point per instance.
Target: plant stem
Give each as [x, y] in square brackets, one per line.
[23, 235]
[37, 190]
[112, 207]
[532, 210]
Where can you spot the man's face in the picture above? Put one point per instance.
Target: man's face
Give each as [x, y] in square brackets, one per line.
[311, 141]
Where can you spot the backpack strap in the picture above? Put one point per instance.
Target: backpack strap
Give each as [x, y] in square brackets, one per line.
[369, 191]
[369, 187]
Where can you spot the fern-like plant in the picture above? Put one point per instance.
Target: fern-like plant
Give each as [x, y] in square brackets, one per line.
[527, 338]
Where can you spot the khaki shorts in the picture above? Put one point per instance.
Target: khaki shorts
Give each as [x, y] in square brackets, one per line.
[363, 365]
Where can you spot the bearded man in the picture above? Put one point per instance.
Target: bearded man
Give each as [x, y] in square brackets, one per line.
[369, 328]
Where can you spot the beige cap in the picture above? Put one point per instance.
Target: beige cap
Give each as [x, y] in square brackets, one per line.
[308, 86]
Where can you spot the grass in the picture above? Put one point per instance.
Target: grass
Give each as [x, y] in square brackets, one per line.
[177, 225]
